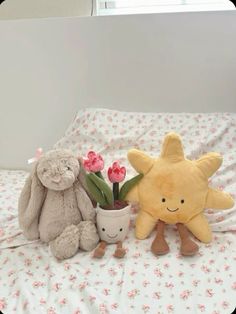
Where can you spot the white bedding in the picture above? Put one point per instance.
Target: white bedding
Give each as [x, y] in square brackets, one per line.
[32, 281]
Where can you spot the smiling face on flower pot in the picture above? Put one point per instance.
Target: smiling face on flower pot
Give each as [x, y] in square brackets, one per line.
[113, 225]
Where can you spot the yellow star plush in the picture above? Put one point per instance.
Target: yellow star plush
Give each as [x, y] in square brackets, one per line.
[175, 189]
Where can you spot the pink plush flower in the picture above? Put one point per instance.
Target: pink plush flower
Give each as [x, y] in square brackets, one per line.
[116, 173]
[94, 162]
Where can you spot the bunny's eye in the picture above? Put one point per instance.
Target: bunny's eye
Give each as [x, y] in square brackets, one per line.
[103, 229]
[44, 170]
[68, 168]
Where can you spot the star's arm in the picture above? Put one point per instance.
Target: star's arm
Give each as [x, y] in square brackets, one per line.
[141, 162]
[218, 200]
[209, 163]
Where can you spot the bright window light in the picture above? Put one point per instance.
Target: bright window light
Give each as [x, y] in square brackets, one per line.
[111, 7]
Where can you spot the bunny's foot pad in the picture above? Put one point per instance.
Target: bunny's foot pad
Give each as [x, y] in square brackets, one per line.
[88, 235]
[66, 245]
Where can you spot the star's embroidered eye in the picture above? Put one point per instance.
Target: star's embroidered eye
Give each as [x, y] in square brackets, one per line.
[103, 229]
[121, 229]
[163, 200]
[182, 201]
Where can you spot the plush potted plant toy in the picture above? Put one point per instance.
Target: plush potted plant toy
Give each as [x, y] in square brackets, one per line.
[174, 190]
[113, 212]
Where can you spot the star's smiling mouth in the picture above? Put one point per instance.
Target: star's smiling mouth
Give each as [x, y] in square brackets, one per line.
[112, 236]
[172, 210]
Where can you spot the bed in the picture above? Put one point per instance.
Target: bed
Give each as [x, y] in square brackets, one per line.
[33, 281]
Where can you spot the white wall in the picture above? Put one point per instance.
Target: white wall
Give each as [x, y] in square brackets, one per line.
[49, 68]
[20, 9]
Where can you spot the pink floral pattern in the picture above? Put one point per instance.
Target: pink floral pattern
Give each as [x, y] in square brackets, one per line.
[33, 281]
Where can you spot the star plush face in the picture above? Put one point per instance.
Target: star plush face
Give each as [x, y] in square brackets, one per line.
[175, 189]
[165, 195]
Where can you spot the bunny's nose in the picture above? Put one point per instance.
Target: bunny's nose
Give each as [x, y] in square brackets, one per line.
[56, 179]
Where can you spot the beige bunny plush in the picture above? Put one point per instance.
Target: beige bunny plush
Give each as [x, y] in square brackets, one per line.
[55, 207]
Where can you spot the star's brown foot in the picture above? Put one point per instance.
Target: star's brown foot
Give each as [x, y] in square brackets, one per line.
[188, 247]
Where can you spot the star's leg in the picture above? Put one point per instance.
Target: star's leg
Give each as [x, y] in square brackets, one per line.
[159, 245]
[200, 228]
[144, 225]
[188, 247]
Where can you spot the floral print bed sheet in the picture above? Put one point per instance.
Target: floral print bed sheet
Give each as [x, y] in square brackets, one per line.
[33, 281]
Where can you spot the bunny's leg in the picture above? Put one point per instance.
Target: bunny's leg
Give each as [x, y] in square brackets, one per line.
[66, 244]
[120, 251]
[88, 235]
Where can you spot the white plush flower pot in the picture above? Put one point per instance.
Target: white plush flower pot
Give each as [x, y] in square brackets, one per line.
[113, 225]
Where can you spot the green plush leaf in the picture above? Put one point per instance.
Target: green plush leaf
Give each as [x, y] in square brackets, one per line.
[103, 187]
[99, 174]
[128, 185]
[97, 194]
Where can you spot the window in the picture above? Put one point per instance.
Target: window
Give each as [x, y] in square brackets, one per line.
[110, 7]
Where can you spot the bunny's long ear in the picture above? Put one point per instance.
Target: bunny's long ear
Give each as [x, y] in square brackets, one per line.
[82, 178]
[30, 204]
